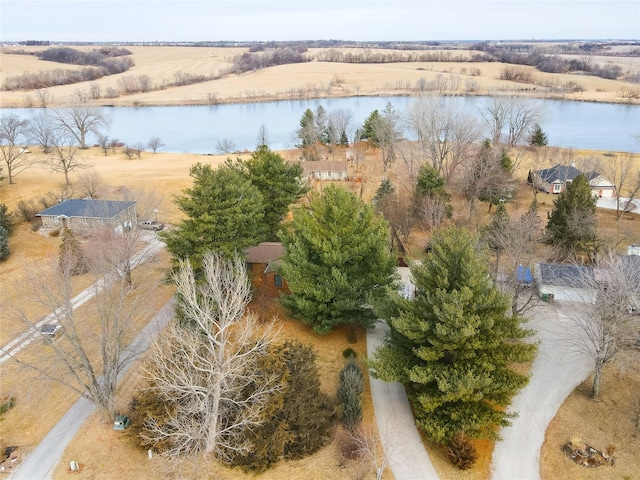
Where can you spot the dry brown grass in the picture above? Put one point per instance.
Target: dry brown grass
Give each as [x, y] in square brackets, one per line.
[311, 79]
[116, 455]
[112, 456]
[609, 422]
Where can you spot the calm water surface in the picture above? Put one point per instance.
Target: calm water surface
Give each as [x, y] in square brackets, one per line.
[199, 129]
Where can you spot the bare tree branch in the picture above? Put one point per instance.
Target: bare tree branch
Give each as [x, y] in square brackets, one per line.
[206, 368]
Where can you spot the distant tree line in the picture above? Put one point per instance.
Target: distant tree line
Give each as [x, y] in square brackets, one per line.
[545, 62]
[101, 63]
[368, 56]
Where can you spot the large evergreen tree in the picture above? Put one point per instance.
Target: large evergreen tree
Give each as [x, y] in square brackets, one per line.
[337, 257]
[279, 182]
[225, 213]
[299, 416]
[452, 345]
[571, 225]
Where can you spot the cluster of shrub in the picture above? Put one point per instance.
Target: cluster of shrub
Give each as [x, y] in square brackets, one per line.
[96, 57]
[101, 63]
[268, 58]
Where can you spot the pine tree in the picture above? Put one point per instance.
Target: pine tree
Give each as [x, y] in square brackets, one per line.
[571, 224]
[337, 258]
[538, 138]
[385, 190]
[299, 417]
[279, 182]
[225, 214]
[4, 243]
[350, 390]
[453, 344]
[6, 219]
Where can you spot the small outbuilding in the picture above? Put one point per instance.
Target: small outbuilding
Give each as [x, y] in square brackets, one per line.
[571, 283]
[81, 215]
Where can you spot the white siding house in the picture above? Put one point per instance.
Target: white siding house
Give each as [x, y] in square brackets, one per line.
[324, 170]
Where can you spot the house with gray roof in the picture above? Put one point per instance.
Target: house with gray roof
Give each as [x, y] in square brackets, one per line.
[555, 180]
[81, 215]
[571, 283]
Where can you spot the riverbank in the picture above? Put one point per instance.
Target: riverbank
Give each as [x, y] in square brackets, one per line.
[162, 66]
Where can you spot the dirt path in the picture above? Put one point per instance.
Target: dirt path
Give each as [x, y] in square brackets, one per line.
[555, 373]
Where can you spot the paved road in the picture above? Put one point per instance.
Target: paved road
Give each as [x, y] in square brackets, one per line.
[555, 373]
[43, 459]
[396, 426]
[22, 341]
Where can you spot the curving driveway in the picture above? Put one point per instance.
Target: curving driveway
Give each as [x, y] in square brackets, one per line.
[555, 373]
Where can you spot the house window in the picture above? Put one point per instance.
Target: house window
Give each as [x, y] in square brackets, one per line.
[249, 266]
[277, 280]
[557, 188]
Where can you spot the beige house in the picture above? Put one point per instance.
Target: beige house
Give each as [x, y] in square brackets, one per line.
[324, 170]
[82, 215]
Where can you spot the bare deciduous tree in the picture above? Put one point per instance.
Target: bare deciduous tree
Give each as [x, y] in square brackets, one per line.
[79, 120]
[104, 142]
[13, 144]
[338, 124]
[42, 132]
[368, 452]
[483, 176]
[509, 118]
[90, 184]
[206, 367]
[446, 133]
[225, 145]
[433, 210]
[608, 328]
[90, 349]
[63, 157]
[514, 239]
[148, 201]
[263, 136]
[44, 96]
[154, 144]
[619, 171]
[407, 168]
